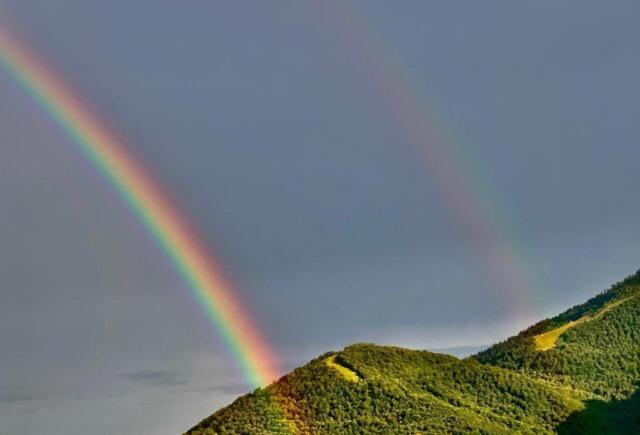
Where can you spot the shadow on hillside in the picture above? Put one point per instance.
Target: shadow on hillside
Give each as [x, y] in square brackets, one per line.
[599, 417]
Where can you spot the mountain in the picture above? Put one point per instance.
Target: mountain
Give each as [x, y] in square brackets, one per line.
[574, 373]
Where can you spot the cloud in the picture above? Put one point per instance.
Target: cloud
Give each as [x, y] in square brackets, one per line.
[228, 388]
[155, 377]
[14, 396]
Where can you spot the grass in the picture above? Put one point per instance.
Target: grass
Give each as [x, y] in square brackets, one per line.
[348, 374]
[548, 339]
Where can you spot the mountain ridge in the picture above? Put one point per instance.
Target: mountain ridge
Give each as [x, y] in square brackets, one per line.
[585, 383]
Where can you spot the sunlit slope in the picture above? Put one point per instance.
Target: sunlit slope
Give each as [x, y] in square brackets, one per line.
[594, 346]
[397, 391]
[547, 340]
[577, 372]
[347, 373]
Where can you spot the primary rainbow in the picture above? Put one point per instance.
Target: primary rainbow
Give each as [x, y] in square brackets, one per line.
[162, 219]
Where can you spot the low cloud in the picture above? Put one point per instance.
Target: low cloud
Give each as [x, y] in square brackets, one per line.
[156, 377]
[14, 396]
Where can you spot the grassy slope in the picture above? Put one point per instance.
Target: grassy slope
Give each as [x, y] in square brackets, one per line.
[583, 384]
[548, 340]
[346, 372]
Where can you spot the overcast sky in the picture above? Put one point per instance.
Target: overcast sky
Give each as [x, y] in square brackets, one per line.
[263, 121]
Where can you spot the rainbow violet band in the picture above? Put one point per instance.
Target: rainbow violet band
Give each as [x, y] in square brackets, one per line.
[163, 220]
[471, 201]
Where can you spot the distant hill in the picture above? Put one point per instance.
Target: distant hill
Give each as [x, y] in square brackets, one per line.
[574, 373]
[459, 351]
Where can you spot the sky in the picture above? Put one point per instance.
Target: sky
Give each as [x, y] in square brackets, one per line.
[277, 129]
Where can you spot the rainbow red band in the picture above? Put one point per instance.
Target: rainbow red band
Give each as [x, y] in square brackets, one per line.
[147, 200]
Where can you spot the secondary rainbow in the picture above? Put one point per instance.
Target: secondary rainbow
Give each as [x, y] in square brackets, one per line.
[470, 198]
[168, 226]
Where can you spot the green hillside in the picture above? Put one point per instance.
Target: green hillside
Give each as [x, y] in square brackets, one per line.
[600, 355]
[574, 373]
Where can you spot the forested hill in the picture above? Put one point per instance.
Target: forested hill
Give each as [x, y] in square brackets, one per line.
[597, 350]
[574, 373]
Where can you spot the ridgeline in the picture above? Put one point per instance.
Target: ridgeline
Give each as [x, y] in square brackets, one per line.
[577, 372]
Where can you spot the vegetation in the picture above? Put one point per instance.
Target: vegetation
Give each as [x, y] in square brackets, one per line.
[599, 356]
[347, 373]
[547, 340]
[574, 373]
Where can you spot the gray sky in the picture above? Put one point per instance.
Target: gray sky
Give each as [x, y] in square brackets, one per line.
[265, 125]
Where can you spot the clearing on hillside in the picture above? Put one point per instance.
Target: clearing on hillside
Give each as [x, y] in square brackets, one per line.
[348, 374]
[548, 339]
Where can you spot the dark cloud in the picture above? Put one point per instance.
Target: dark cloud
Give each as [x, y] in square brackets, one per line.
[16, 396]
[225, 388]
[156, 378]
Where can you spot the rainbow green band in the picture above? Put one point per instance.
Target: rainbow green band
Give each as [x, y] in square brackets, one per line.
[166, 224]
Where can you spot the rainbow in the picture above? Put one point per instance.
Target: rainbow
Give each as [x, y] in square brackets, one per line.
[468, 197]
[162, 219]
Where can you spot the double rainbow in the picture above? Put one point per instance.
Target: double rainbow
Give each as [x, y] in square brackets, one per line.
[163, 220]
[199, 268]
